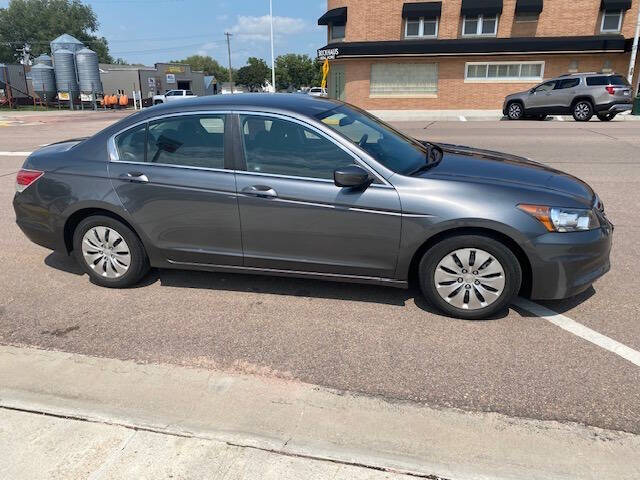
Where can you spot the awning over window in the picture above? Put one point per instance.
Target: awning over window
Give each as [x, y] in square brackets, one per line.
[337, 15]
[422, 9]
[615, 4]
[529, 6]
[481, 7]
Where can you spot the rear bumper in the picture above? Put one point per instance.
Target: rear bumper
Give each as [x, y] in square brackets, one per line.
[565, 264]
[614, 107]
[36, 224]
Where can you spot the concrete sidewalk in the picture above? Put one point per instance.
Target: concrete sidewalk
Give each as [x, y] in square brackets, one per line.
[126, 420]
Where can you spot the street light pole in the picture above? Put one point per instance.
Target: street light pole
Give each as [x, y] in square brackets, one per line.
[229, 52]
[273, 63]
[634, 52]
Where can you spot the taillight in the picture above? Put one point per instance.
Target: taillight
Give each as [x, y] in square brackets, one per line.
[26, 178]
[611, 90]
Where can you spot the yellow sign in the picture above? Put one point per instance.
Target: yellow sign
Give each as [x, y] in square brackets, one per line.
[325, 73]
[63, 95]
[175, 69]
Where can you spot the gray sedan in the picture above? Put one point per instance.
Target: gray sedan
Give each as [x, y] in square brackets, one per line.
[309, 187]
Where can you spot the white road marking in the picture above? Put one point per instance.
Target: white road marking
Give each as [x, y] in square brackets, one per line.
[462, 118]
[15, 154]
[580, 330]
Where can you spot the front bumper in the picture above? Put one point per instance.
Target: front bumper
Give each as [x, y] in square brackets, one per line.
[566, 264]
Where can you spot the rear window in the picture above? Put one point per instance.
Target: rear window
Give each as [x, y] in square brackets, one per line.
[607, 80]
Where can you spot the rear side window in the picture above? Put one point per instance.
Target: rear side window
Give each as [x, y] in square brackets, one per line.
[282, 147]
[190, 140]
[593, 81]
[189, 92]
[131, 144]
[568, 83]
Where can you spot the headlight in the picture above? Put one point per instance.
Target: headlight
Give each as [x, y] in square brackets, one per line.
[559, 219]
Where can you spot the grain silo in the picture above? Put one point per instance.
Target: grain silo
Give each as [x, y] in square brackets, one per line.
[66, 42]
[44, 81]
[65, 69]
[88, 71]
[43, 59]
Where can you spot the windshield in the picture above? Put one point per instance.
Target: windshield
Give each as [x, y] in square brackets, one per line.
[394, 150]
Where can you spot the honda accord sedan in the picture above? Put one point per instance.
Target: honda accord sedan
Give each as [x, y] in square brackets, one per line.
[309, 187]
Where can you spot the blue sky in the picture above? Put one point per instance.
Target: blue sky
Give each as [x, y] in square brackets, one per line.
[149, 31]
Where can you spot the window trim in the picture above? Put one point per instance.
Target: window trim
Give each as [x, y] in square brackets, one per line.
[357, 160]
[404, 95]
[504, 80]
[537, 19]
[337, 39]
[420, 28]
[620, 17]
[481, 18]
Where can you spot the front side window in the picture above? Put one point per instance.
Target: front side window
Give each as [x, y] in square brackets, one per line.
[480, 25]
[403, 79]
[131, 144]
[187, 140]
[507, 71]
[281, 147]
[545, 87]
[394, 150]
[337, 31]
[421, 27]
[611, 21]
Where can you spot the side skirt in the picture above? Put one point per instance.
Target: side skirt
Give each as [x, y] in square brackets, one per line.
[332, 277]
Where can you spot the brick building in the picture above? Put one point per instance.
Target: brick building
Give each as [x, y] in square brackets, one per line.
[467, 54]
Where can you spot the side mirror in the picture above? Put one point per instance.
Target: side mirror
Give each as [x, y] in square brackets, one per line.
[351, 176]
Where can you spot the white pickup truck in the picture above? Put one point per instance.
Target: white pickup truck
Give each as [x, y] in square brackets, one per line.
[172, 95]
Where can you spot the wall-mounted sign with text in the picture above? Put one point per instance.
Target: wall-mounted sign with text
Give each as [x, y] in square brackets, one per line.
[328, 53]
[171, 78]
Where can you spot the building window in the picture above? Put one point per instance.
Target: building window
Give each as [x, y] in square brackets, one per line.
[527, 17]
[611, 21]
[336, 31]
[503, 71]
[573, 66]
[480, 25]
[421, 27]
[404, 80]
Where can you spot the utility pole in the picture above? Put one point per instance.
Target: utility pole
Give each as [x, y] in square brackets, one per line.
[634, 52]
[229, 52]
[273, 63]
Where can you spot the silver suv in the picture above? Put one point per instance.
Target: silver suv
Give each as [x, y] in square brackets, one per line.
[579, 94]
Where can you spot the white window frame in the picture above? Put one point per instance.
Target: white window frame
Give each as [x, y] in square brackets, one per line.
[337, 39]
[420, 28]
[433, 94]
[502, 79]
[604, 13]
[479, 27]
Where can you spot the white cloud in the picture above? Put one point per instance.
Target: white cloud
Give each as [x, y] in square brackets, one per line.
[258, 28]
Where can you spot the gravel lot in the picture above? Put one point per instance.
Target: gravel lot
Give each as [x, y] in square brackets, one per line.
[363, 339]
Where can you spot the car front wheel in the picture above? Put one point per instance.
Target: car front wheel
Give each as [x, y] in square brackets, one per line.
[582, 111]
[110, 252]
[470, 276]
[515, 111]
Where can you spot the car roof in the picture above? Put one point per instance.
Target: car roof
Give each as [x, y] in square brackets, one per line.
[276, 102]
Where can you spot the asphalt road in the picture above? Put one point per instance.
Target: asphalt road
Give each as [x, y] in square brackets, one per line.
[361, 339]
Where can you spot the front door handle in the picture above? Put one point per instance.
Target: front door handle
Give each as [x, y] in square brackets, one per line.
[260, 191]
[137, 177]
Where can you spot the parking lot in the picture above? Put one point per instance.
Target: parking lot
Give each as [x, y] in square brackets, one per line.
[361, 339]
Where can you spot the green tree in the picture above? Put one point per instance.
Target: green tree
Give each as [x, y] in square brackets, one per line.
[254, 74]
[37, 22]
[294, 71]
[207, 65]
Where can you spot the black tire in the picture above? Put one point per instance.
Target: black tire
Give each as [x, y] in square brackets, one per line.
[139, 262]
[541, 117]
[606, 117]
[515, 111]
[582, 111]
[508, 261]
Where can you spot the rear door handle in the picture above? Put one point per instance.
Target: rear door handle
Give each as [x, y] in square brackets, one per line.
[137, 177]
[260, 191]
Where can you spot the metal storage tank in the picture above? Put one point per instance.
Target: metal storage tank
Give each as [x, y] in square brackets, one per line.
[44, 80]
[66, 42]
[43, 59]
[65, 68]
[88, 71]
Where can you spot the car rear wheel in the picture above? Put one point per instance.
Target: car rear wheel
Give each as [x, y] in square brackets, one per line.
[110, 252]
[606, 117]
[541, 117]
[470, 276]
[515, 111]
[582, 111]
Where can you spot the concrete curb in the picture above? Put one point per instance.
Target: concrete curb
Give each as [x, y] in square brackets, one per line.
[308, 421]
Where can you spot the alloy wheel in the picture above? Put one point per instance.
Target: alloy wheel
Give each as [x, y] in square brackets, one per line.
[582, 110]
[515, 111]
[106, 252]
[469, 278]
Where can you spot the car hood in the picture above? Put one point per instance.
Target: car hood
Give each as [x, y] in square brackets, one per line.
[473, 164]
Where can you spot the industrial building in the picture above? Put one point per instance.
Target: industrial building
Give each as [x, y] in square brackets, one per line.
[151, 80]
[467, 54]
